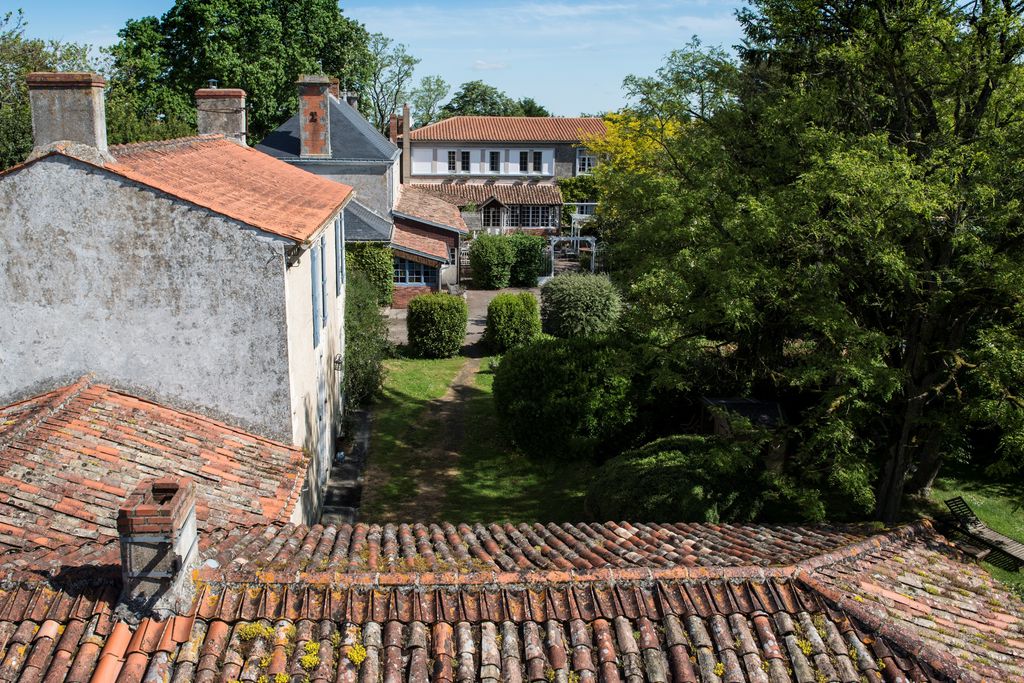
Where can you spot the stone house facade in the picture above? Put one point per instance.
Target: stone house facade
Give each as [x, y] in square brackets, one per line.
[196, 272]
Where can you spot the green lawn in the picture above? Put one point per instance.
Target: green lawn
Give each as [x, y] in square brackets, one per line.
[486, 480]
[994, 503]
[496, 484]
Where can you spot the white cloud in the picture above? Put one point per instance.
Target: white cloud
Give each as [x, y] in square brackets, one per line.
[481, 65]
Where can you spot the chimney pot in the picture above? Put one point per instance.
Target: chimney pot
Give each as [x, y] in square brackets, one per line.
[68, 106]
[314, 116]
[406, 146]
[393, 128]
[221, 110]
[211, 83]
[159, 543]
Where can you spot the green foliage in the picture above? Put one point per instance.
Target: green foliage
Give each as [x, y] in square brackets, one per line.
[436, 325]
[261, 46]
[528, 259]
[580, 189]
[580, 305]
[512, 320]
[366, 341]
[490, 259]
[376, 262]
[426, 99]
[839, 210]
[566, 399]
[686, 478]
[391, 69]
[476, 98]
[20, 56]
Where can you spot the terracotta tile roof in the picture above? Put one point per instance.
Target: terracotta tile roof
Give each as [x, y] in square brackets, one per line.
[365, 603]
[429, 207]
[467, 193]
[68, 459]
[419, 241]
[238, 182]
[511, 129]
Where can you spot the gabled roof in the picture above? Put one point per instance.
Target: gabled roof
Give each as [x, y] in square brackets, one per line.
[68, 459]
[236, 181]
[353, 138]
[510, 129]
[463, 194]
[429, 209]
[365, 225]
[536, 602]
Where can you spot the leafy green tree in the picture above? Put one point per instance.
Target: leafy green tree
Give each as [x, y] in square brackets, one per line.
[426, 99]
[20, 56]
[476, 98]
[839, 213]
[391, 69]
[261, 46]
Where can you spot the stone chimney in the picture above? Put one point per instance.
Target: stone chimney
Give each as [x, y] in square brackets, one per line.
[393, 129]
[67, 108]
[352, 98]
[406, 145]
[159, 544]
[336, 88]
[314, 117]
[221, 110]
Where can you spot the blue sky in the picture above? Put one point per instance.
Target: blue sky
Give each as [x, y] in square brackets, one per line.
[569, 55]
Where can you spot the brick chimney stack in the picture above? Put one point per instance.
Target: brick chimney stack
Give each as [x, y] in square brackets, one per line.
[393, 129]
[69, 108]
[314, 117]
[221, 110]
[336, 88]
[159, 543]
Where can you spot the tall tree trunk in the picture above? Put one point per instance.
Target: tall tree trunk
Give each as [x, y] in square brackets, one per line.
[894, 474]
[929, 463]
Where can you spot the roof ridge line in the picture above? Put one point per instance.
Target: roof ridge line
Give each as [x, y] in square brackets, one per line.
[62, 396]
[169, 142]
[875, 541]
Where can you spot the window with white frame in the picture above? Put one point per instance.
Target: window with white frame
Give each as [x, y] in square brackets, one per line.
[494, 162]
[538, 162]
[491, 216]
[410, 273]
[525, 216]
[524, 162]
[464, 168]
[585, 161]
[451, 161]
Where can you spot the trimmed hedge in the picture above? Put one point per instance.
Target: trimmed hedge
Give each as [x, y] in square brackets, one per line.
[528, 262]
[580, 305]
[436, 324]
[375, 260]
[512, 320]
[566, 399]
[490, 260]
[688, 478]
[366, 341]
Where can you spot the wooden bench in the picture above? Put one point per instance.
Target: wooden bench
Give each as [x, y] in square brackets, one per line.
[998, 549]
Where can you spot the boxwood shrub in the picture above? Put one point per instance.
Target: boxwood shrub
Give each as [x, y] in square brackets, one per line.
[375, 261]
[490, 260]
[512, 320]
[366, 341]
[528, 260]
[580, 305]
[436, 324]
[566, 399]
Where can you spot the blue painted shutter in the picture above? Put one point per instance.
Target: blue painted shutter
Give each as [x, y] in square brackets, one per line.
[339, 252]
[323, 280]
[317, 292]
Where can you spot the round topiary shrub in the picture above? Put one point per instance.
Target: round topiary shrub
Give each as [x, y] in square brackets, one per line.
[436, 325]
[688, 478]
[512, 320]
[580, 305]
[528, 260]
[566, 399]
[490, 260]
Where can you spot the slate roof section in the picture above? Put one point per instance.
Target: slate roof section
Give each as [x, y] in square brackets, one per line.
[463, 194]
[69, 458]
[421, 242]
[510, 129]
[311, 602]
[365, 225]
[353, 138]
[235, 181]
[424, 206]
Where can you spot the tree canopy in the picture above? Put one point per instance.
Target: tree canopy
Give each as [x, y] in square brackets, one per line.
[833, 220]
[476, 98]
[391, 69]
[261, 46]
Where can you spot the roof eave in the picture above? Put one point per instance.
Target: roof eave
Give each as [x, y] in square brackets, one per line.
[433, 224]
